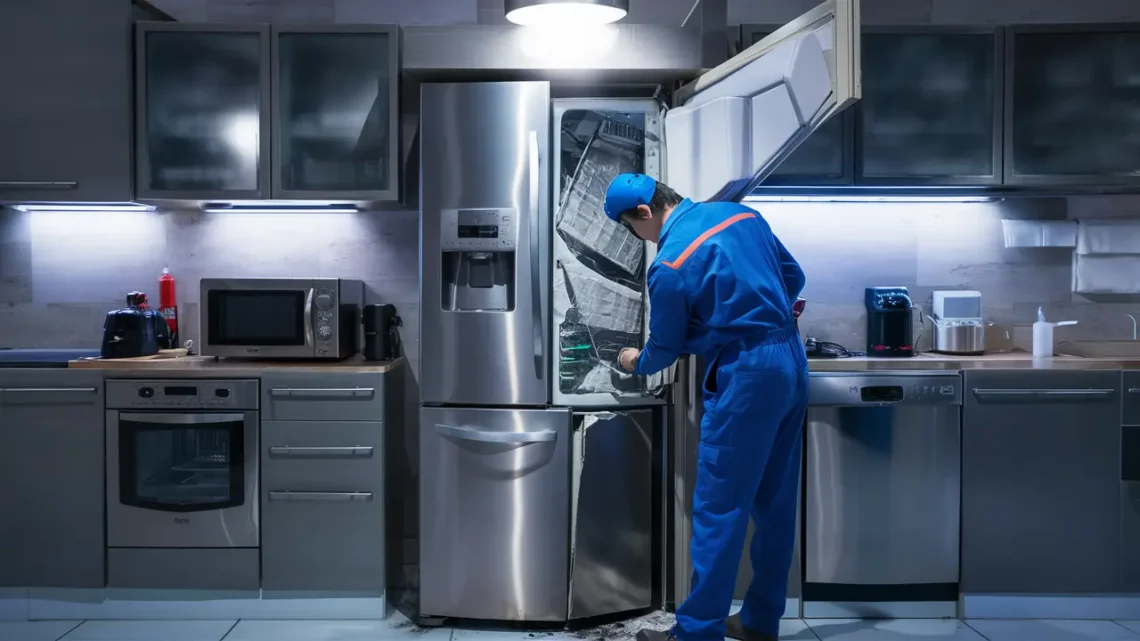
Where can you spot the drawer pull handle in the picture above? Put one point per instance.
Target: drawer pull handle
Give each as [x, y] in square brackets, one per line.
[38, 184]
[1134, 390]
[50, 390]
[291, 451]
[324, 497]
[480, 436]
[332, 392]
[1054, 394]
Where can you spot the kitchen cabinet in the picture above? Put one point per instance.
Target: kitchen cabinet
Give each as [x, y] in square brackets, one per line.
[335, 112]
[52, 468]
[1040, 482]
[203, 111]
[931, 107]
[1072, 106]
[240, 112]
[1130, 485]
[823, 158]
[65, 120]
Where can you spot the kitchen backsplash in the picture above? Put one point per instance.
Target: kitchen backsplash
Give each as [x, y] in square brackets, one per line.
[61, 272]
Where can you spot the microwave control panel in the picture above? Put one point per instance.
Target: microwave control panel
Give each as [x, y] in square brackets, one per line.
[480, 230]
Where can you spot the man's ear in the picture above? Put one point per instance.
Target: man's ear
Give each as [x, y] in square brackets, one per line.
[644, 212]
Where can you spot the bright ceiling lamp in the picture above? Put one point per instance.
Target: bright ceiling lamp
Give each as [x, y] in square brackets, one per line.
[532, 13]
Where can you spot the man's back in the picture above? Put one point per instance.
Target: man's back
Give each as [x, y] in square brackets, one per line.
[740, 279]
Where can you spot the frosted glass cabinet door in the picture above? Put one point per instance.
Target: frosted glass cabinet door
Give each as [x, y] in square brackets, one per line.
[930, 111]
[1073, 105]
[203, 125]
[335, 128]
[825, 157]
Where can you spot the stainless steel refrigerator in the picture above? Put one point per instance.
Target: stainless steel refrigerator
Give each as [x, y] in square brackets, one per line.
[536, 451]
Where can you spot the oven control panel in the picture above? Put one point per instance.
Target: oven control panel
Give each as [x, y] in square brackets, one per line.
[187, 393]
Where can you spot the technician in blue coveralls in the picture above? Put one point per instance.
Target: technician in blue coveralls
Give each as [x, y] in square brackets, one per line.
[722, 285]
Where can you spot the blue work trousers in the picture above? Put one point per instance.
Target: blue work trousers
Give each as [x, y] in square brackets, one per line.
[748, 465]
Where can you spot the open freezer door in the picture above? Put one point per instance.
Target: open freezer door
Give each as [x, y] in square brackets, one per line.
[735, 124]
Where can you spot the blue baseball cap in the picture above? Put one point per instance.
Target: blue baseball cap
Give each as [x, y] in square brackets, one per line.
[626, 192]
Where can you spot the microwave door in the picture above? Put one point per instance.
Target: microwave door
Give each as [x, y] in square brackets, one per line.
[270, 318]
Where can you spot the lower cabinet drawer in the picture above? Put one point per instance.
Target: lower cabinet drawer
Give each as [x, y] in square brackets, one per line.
[317, 455]
[323, 540]
[1130, 539]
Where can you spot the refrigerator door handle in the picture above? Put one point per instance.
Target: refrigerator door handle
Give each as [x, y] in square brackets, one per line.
[533, 218]
[470, 434]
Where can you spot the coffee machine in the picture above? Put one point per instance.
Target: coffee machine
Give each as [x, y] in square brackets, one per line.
[890, 327]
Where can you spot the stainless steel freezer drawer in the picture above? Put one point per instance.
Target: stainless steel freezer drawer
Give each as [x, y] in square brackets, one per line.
[494, 523]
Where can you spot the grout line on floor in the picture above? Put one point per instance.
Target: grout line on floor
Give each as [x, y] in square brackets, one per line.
[72, 629]
[966, 622]
[228, 632]
[1126, 627]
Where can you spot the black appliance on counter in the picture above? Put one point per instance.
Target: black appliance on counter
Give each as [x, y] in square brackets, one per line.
[381, 333]
[134, 330]
[890, 329]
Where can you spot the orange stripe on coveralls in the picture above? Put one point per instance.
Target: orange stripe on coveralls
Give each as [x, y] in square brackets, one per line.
[696, 244]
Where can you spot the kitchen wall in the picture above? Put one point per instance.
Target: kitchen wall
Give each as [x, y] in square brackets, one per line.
[61, 272]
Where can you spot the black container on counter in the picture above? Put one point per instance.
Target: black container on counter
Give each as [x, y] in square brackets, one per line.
[381, 333]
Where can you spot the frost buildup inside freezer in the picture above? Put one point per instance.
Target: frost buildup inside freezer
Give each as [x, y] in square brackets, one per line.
[599, 274]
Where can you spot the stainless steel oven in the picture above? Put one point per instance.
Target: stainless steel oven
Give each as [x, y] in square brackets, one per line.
[182, 463]
[281, 317]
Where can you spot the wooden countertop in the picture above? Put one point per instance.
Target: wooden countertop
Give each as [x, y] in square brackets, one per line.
[1013, 360]
[203, 366]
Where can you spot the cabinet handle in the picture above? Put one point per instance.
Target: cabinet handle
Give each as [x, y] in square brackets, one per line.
[47, 185]
[469, 434]
[1050, 394]
[51, 390]
[337, 497]
[310, 392]
[1134, 390]
[288, 451]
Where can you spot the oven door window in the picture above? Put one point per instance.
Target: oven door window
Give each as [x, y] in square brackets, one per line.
[181, 462]
[258, 318]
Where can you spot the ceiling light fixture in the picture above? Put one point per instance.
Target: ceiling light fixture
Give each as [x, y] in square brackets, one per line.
[565, 13]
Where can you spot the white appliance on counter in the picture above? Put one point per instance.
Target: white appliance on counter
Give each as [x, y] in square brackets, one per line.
[537, 493]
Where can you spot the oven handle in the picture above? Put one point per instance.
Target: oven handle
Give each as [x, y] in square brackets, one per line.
[309, 339]
[181, 419]
[320, 496]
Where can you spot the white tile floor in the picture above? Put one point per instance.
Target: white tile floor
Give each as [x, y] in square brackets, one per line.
[397, 628]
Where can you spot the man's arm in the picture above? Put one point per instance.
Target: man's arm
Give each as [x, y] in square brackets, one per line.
[794, 279]
[668, 320]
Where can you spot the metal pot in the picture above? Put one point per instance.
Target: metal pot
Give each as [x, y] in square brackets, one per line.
[958, 337]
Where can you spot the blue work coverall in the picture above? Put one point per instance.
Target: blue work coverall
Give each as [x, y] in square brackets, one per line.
[722, 285]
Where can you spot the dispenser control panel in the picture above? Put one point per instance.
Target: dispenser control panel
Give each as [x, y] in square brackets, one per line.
[478, 230]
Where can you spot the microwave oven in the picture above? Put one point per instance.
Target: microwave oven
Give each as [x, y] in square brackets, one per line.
[302, 318]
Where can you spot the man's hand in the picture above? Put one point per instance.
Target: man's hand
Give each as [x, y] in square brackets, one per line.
[627, 358]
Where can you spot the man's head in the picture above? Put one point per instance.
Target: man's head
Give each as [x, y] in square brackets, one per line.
[641, 204]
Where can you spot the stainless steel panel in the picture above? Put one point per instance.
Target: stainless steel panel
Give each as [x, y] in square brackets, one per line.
[183, 569]
[126, 394]
[322, 455]
[647, 53]
[129, 526]
[494, 517]
[476, 152]
[882, 495]
[51, 466]
[311, 396]
[857, 388]
[611, 567]
[1041, 483]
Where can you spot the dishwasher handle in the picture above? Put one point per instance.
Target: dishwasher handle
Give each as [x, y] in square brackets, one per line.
[1079, 394]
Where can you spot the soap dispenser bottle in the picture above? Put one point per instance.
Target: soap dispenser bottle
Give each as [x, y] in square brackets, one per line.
[1043, 334]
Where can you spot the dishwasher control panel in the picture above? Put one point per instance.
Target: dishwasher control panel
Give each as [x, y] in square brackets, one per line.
[888, 388]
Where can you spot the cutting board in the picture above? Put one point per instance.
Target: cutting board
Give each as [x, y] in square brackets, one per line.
[162, 355]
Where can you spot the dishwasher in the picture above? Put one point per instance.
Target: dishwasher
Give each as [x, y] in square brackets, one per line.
[882, 495]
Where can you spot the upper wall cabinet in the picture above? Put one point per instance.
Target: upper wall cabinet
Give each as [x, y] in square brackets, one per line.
[1073, 105]
[930, 113]
[229, 112]
[65, 115]
[825, 157]
[334, 126]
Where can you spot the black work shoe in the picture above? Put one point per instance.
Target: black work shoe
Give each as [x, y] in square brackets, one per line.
[654, 635]
[734, 629]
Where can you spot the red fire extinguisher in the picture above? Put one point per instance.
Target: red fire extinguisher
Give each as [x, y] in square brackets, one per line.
[168, 305]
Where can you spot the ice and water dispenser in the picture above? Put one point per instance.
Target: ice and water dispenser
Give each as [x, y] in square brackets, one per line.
[478, 253]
